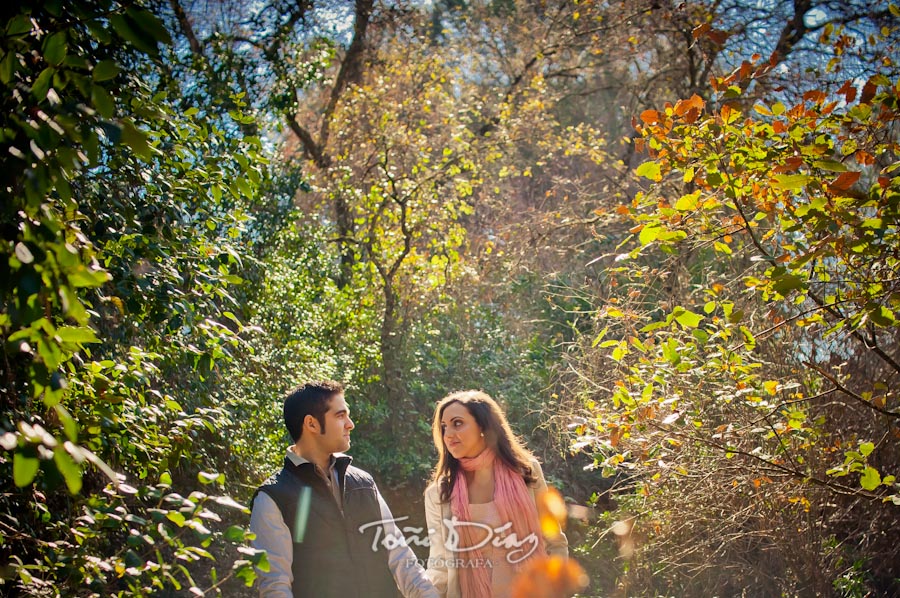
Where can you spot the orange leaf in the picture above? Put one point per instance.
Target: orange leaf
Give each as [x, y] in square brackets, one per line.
[844, 181]
[848, 90]
[622, 210]
[864, 158]
[868, 92]
[814, 95]
[684, 106]
[700, 30]
[650, 116]
[726, 112]
[549, 577]
[552, 512]
[791, 164]
[718, 36]
[884, 182]
[614, 436]
[779, 127]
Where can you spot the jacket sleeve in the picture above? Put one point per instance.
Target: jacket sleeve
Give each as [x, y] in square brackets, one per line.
[402, 561]
[273, 536]
[557, 545]
[438, 554]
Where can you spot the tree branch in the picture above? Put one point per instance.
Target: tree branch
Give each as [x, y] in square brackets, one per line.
[351, 67]
[187, 28]
[310, 147]
[850, 393]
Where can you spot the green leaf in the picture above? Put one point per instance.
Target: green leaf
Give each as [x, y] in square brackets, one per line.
[870, 478]
[687, 203]
[77, 334]
[873, 223]
[749, 339]
[599, 337]
[176, 518]
[24, 469]
[105, 70]
[832, 165]
[70, 426]
[687, 318]
[131, 32]
[791, 182]
[18, 25]
[234, 534]
[787, 283]
[649, 234]
[42, 84]
[55, 48]
[136, 140]
[866, 448]
[70, 471]
[88, 278]
[8, 67]
[649, 170]
[206, 477]
[149, 24]
[881, 316]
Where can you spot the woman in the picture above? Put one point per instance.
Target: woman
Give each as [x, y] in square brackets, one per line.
[482, 518]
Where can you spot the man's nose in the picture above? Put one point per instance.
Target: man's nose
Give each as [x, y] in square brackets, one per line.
[350, 424]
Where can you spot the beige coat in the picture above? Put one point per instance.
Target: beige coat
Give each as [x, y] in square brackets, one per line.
[446, 579]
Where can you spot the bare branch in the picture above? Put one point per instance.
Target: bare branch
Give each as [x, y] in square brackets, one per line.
[187, 28]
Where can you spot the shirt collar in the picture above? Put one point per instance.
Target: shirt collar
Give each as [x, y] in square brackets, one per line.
[298, 460]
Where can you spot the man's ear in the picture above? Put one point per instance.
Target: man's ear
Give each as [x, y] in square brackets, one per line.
[311, 423]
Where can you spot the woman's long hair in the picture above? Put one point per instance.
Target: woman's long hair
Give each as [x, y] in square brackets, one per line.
[497, 435]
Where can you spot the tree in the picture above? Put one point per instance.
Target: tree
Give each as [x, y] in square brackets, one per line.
[752, 342]
[122, 213]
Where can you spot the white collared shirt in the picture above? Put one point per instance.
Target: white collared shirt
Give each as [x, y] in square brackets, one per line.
[273, 536]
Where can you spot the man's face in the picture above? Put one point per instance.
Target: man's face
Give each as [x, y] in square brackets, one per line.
[335, 438]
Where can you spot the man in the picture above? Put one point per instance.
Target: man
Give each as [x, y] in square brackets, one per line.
[318, 518]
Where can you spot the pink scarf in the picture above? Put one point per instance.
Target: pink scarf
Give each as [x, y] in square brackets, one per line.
[514, 503]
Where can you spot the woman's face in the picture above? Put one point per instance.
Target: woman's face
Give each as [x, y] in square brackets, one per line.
[460, 431]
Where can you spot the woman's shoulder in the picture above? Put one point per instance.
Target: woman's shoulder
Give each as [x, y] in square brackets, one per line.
[534, 464]
[433, 491]
[537, 473]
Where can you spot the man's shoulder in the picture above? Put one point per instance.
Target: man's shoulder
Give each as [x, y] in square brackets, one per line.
[270, 481]
[359, 474]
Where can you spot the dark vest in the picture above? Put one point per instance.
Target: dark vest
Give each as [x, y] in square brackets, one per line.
[332, 558]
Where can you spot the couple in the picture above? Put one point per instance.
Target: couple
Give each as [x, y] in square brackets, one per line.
[324, 523]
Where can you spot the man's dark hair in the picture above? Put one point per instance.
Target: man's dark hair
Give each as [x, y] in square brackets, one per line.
[310, 399]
